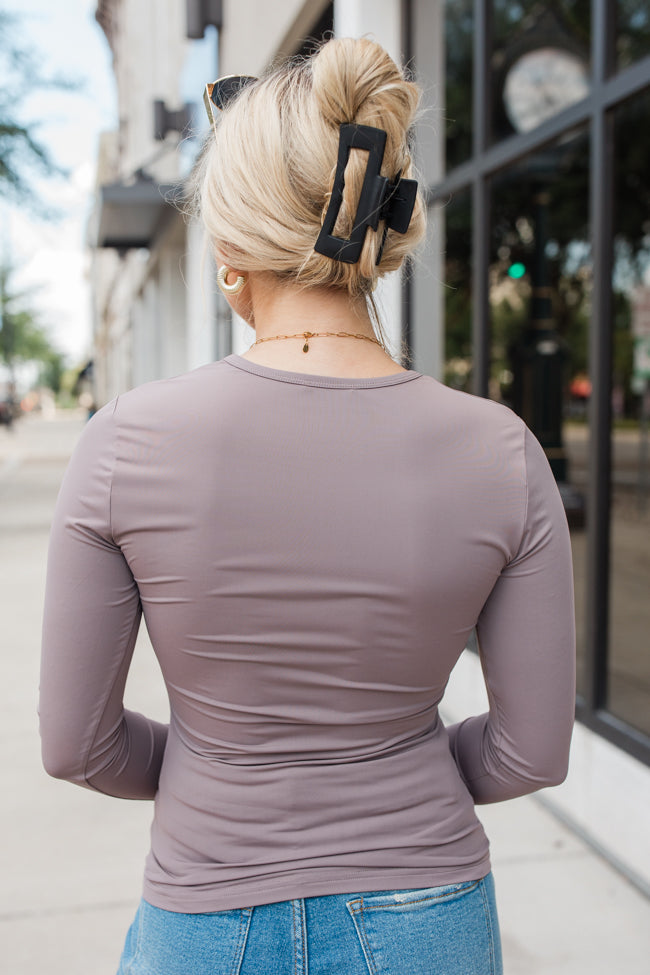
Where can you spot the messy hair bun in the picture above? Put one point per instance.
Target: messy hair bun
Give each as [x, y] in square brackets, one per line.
[264, 182]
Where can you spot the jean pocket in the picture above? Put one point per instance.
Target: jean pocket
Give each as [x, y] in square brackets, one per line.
[167, 942]
[449, 930]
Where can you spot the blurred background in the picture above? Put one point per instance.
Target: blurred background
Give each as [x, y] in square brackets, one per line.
[533, 289]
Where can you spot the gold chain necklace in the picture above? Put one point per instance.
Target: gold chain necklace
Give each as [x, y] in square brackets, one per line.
[310, 335]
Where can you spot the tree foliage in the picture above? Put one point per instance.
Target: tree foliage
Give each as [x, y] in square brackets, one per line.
[22, 337]
[23, 154]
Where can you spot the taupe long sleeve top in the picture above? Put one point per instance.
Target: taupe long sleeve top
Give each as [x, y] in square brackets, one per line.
[310, 555]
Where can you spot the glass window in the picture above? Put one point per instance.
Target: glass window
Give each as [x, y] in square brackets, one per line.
[457, 216]
[629, 605]
[632, 31]
[539, 279]
[459, 41]
[540, 61]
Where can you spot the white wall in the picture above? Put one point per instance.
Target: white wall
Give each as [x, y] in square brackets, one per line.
[150, 50]
[144, 315]
[171, 333]
[255, 32]
[379, 19]
[428, 278]
[201, 298]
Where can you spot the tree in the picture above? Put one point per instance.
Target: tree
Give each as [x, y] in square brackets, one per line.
[23, 338]
[21, 152]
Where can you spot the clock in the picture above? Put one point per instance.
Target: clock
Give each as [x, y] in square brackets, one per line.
[540, 84]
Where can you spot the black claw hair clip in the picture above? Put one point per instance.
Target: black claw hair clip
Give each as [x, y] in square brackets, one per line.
[379, 199]
[221, 92]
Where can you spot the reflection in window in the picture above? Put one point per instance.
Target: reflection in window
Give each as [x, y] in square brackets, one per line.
[629, 653]
[632, 31]
[540, 275]
[540, 61]
[458, 294]
[459, 40]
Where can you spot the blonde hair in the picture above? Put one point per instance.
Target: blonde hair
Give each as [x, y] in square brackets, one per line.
[263, 183]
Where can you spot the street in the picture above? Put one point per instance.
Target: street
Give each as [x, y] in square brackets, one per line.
[72, 859]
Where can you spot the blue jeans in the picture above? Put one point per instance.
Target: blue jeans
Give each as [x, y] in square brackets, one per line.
[449, 930]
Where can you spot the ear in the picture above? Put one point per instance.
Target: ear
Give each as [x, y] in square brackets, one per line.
[241, 301]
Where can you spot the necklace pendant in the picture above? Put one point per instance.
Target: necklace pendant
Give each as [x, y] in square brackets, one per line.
[305, 347]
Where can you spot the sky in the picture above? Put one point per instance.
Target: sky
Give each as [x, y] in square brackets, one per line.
[51, 256]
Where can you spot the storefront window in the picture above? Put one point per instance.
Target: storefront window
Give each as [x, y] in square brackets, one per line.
[457, 216]
[632, 31]
[459, 40]
[530, 243]
[629, 656]
[539, 63]
[539, 278]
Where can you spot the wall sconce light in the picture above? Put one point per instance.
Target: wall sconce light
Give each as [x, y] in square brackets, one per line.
[202, 14]
[166, 120]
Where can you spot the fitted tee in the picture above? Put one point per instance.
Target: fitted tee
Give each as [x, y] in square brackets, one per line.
[311, 555]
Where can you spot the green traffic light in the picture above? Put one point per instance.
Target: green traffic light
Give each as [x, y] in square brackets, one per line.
[516, 270]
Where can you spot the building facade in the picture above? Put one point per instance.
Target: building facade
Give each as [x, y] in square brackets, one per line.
[533, 287]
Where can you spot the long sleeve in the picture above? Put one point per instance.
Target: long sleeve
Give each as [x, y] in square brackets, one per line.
[90, 623]
[526, 636]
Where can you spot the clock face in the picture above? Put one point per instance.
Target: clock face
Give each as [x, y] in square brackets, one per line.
[541, 84]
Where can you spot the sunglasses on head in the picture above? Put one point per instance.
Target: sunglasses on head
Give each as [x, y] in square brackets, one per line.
[222, 92]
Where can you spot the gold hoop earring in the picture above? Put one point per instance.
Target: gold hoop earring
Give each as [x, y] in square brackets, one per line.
[230, 289]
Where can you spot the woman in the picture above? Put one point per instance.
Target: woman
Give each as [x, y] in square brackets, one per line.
[312, 532]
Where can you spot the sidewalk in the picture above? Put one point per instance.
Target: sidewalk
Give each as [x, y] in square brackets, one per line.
[74, 858]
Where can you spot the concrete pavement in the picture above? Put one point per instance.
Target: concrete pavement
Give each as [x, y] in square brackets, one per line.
[72, 860]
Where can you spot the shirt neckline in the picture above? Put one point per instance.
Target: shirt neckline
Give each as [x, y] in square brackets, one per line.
[312, 379]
